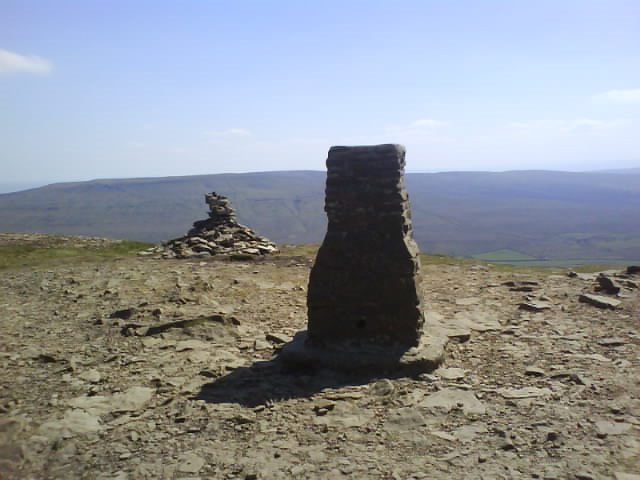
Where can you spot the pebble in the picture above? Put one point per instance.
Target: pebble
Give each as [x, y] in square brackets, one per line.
[91, 376]
[606, 428]
[626, 476]
[382, 388]
[612, 342]
[524, 392]
[451, 373]
[189, 462]
[260, 344]
[277, 338]
[449, 398]
[535, 306]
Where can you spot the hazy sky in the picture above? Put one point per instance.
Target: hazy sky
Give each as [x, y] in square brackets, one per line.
[95, 89]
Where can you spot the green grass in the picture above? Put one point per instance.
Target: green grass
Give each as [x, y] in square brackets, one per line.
[22, 255]
[438, 259]
[504, 255]
[310, 250]
[56, 250]
[307, 250]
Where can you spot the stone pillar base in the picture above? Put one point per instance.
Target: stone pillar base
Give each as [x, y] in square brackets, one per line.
[363, 357]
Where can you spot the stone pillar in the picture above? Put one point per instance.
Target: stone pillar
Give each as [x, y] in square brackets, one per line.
[363, 300]
[363, 286]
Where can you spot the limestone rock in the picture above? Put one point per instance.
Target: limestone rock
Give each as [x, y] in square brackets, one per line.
[405, 418]
[535, 306]
[91, 376]
[382, 388]
[604, 428]
[74, 422]
[450, 398]
[600, 301]
[522, 285]
[524, 392]
[612, 341]
[607, 284]
[190, 463]
[124, 313]
[130, 400]
[534, 372]
[345, 415]
[451, 373]
[626, 476]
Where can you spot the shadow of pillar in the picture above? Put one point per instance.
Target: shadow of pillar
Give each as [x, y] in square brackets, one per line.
[364, 308]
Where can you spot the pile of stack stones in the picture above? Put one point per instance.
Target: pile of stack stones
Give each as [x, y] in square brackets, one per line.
[220, 234]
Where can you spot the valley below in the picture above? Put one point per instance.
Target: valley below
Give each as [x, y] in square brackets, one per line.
[122, 367]
[532, 217]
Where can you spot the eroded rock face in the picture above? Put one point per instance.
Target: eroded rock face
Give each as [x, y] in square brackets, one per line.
[219, 234]
[363, 284]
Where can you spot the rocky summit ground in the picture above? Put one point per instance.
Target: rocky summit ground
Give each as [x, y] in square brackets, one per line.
[125, 367]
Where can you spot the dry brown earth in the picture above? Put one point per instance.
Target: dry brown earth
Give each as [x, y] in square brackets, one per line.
[142, 368]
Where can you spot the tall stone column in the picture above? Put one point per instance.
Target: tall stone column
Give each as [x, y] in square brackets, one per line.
[364, 308]
[363, 285]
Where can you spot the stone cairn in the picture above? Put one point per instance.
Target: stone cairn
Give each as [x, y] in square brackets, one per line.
[220, 234]
[363, 300]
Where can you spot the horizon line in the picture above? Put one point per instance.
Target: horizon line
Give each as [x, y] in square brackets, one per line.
[30, 184]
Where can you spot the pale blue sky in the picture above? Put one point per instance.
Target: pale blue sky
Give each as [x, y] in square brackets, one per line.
[99, 89]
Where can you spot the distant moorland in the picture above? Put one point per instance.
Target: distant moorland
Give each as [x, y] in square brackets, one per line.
[519, 216]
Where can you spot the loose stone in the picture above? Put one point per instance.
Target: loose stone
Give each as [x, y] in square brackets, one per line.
[600, 301]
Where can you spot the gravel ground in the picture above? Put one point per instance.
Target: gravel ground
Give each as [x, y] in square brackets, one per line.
[141, 368]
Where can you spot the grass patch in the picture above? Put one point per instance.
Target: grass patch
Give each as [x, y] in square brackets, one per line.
[440, 259]
[504, 255]
[306, 250]
[310, 251]
[597, 267]
[25, 255]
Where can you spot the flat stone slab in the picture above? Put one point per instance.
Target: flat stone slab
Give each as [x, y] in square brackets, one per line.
[370, 358]
[600, 301]
[535, 306]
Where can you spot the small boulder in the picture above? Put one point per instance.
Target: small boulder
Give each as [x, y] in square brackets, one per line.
[124, 314]
[607, 284]
[535, 306]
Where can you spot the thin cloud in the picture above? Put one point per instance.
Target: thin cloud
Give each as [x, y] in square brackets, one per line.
[598, 124]
[561, 126]
[630, 95]
[14, 63]
[422, 130]
[230, 132]
[429, 123]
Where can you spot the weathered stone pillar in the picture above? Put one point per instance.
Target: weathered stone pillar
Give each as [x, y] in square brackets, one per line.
[364, 309]
[363, 285]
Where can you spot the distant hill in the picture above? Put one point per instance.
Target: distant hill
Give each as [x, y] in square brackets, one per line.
[532, 214]
[18, 186]
[621, 171]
